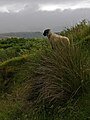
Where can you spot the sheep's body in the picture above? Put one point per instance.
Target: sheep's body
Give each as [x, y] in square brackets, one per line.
[56, 39]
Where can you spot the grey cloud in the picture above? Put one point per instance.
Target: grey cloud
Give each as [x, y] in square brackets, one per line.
[55, 1]
[38, 22]
[34, 4]
[2, 2]
[32, 20]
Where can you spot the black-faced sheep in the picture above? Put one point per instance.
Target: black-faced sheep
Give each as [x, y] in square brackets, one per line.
[56, 39]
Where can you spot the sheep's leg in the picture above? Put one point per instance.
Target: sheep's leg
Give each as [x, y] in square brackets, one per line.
[52, 45]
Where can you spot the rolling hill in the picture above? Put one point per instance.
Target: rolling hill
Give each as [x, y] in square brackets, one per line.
[38, 83]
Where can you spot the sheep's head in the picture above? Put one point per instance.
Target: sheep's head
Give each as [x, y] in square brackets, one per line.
[46, 32]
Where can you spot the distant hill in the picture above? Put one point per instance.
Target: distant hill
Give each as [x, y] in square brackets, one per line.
[22, 35]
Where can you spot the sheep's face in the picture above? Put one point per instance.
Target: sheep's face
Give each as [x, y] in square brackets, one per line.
[46, 32]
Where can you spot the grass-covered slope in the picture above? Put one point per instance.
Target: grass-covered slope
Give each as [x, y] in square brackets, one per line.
[38, 83]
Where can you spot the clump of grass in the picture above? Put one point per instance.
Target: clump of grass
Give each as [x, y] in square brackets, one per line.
[77, 32]
[62, 76]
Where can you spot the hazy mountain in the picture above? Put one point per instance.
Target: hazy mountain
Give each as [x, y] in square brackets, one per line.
[22, 35]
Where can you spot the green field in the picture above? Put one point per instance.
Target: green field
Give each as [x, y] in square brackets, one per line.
[38, 83]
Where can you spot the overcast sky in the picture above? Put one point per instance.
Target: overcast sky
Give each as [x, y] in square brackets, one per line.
[37, 15]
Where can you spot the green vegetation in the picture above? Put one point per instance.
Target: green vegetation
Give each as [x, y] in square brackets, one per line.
[38, 83]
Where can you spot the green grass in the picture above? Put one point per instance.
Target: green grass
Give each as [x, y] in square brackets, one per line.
[38, 83]
[61, 78]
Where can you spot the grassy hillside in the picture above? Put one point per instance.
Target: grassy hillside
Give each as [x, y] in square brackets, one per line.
[38, 83]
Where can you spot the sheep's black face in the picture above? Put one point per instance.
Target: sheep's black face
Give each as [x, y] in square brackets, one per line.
[46, 32]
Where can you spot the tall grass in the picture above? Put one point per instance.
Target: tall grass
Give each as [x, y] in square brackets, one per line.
[78, 32]
[62, 76]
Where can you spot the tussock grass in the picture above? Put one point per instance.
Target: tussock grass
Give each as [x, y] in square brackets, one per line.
[62, 77]
[78, 32]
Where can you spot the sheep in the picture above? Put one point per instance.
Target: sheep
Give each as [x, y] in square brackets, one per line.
[55, 39]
